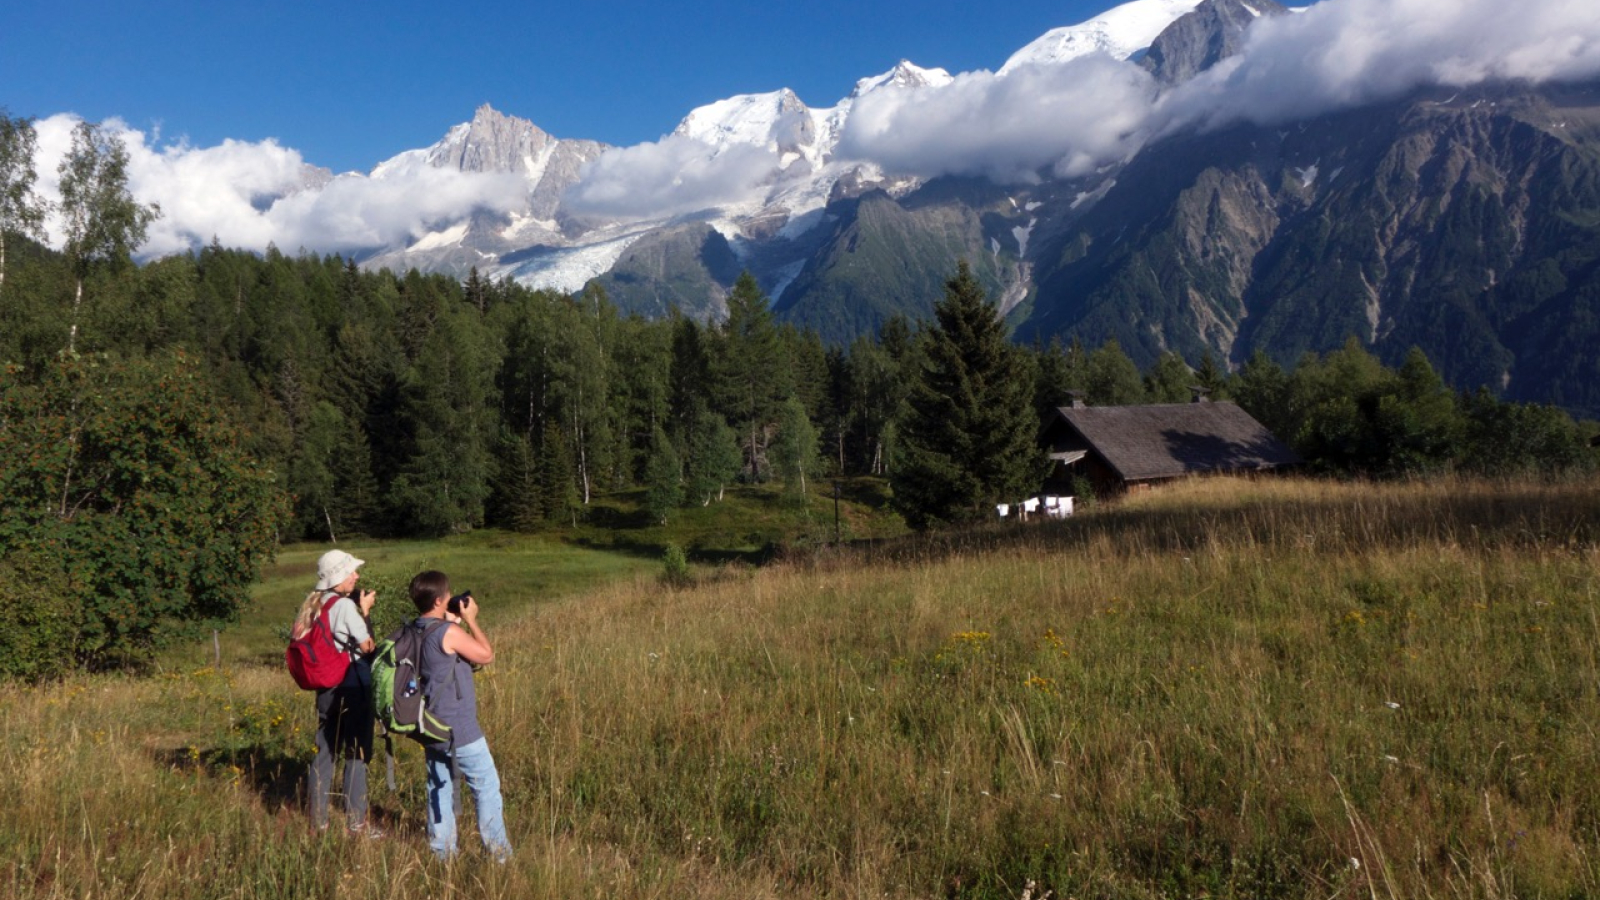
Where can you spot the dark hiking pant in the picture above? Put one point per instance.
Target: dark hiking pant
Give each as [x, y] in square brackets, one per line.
[344, 728]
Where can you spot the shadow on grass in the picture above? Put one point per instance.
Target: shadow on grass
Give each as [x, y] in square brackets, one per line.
[278, 777]
[655, 550]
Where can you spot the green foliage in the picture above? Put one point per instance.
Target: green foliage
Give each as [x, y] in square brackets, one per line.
[102, 221]
[21, 210]
[675, 566]
[970, 431]
[1170, 380]
[794, 451]
[443, 483]
[714, 456]
[131, 514]
[663, 478]
[1211, 377]
[1111, 378]
[750, 371]
[1503, 439]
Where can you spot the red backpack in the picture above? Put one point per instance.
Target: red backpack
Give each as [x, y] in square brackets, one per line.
[315, 661]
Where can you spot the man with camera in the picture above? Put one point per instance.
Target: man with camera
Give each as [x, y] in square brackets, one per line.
[450, 652]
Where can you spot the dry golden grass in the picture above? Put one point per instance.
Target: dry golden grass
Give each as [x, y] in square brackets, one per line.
[1228, 688]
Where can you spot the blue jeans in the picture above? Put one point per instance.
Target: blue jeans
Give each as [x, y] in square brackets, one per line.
[477, 766]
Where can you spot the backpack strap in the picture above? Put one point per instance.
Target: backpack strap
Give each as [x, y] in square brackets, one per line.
[327, 612]
[427, 630]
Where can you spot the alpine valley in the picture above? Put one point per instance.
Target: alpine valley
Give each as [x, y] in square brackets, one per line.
[1465, 222]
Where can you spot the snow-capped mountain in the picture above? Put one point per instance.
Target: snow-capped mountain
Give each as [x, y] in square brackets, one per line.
[780, 121]
[1122, 32]
[788, 152]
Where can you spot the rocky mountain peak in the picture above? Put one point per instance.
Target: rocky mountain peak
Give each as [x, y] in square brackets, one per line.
[1122, 32]
[905, 74]
[777, 119]
[1199, 40]
[493, 142]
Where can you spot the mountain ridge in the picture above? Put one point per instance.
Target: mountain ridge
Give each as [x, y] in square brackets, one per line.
[1286, 239]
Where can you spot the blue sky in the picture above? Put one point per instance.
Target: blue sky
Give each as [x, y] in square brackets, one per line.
[350, 84]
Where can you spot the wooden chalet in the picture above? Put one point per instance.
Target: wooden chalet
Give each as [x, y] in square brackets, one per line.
[1121, 448]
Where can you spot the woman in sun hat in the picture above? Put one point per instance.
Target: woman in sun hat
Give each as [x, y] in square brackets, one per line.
[344, 713]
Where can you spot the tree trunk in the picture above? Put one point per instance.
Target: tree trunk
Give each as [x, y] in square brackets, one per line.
[2, 258]
[583, 454]
[77, 301]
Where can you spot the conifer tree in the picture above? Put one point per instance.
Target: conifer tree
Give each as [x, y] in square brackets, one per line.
[557, 481]
[1053, 379]
[970, 432]
[1211, 377]
[444, 407]
[663, 478]
[750, 370]
[878, 384]
[517, 501]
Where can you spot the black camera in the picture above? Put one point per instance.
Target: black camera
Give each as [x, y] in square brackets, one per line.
[458, 601]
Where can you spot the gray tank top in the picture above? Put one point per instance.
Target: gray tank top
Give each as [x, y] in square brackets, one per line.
[448, 682]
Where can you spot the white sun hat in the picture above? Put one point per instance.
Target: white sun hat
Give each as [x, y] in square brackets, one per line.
[334, 567]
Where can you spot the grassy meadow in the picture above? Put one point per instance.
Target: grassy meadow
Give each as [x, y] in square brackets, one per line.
[1228, 688]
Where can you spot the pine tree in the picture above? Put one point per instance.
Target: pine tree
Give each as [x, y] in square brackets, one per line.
[445, 407]
[751, 374]
[517, 501]
[557, 482]
[1211, 377]
[663, 478]
[970, 433]
[1054, 381]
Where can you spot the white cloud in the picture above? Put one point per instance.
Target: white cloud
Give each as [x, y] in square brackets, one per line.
[1345, 53]
[1064, 118]
[672, 176]
[1338, 54]
[1069, 116]
[253, 194]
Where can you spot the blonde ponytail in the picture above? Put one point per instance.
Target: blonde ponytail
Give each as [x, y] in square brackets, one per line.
[309, 610]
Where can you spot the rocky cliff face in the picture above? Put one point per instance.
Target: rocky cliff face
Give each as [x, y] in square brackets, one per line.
[1205, 37]
[1462, 222]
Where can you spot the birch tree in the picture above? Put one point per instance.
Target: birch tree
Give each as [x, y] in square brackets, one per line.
[21, 210]
[104, 223]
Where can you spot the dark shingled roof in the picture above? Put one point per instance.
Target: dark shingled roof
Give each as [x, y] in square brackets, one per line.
[1173, 439]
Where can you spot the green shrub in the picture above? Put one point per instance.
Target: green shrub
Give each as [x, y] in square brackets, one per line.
[675, 566]
[131, 514]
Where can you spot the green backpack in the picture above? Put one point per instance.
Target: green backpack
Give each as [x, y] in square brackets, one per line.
[399, 696]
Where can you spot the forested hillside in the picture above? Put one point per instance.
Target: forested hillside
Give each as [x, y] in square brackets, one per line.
[419, 405]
